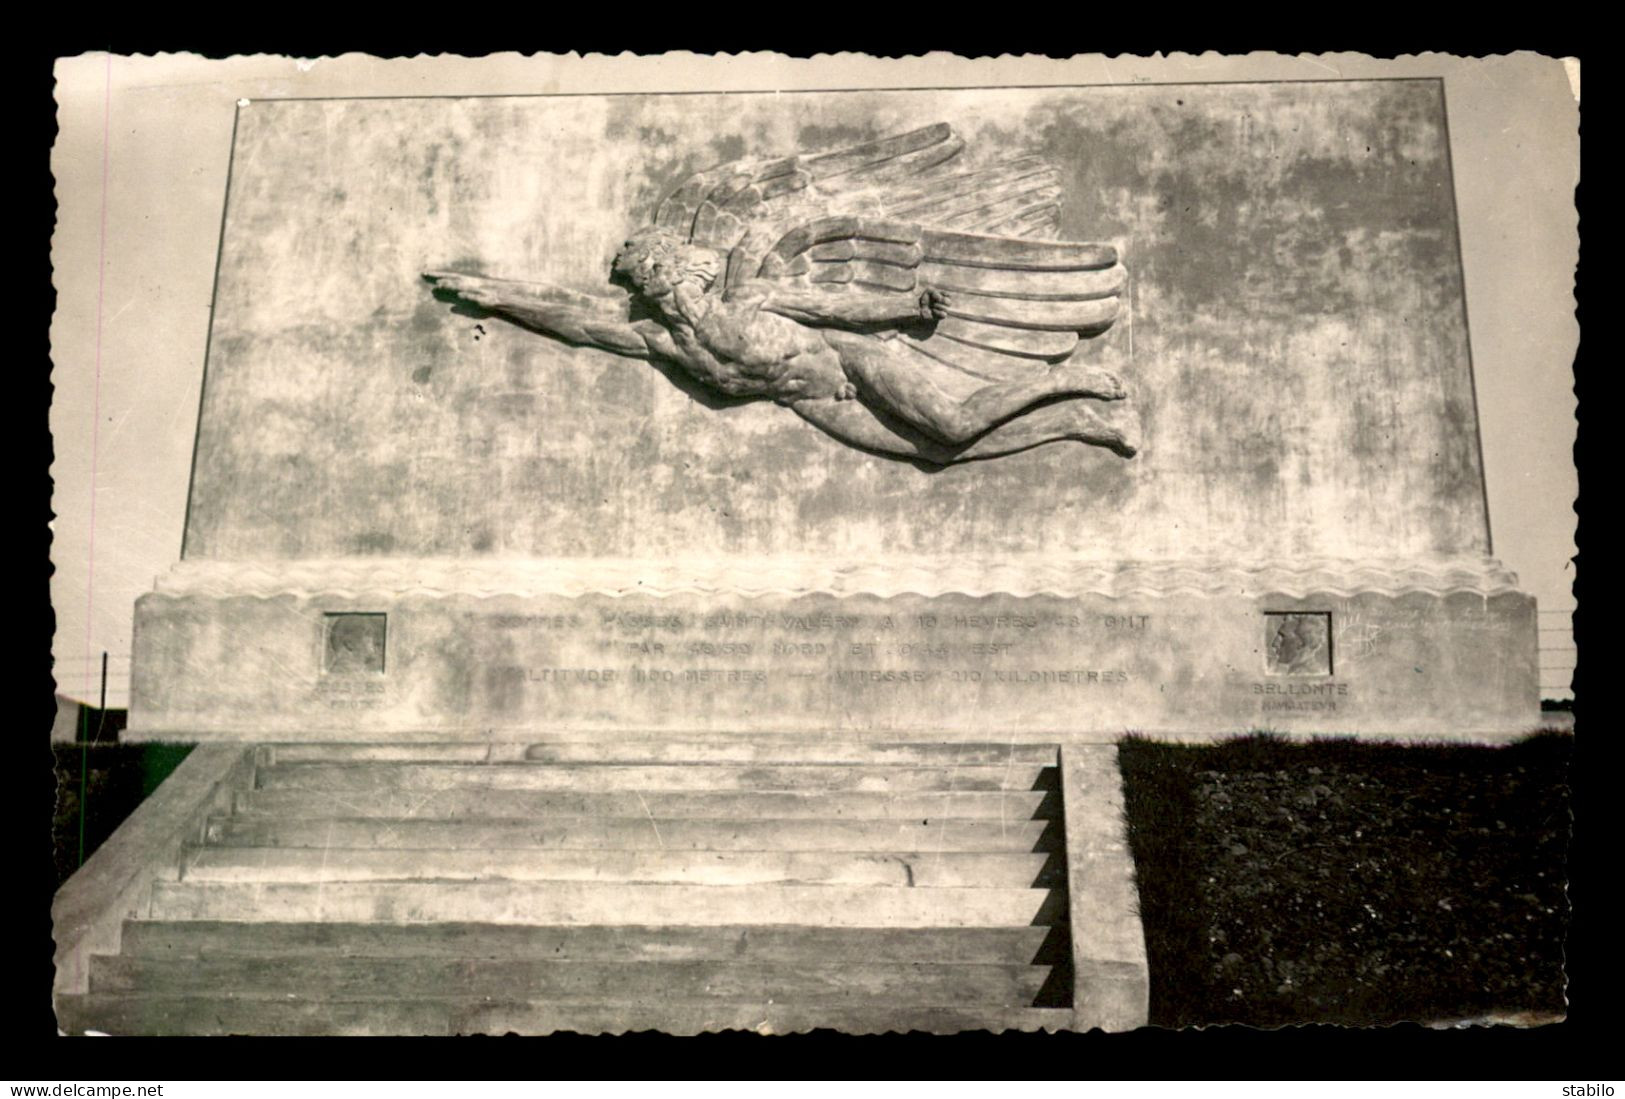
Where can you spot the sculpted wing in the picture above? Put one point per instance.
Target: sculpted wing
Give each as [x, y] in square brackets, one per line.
[717, 206]
[1018, 304]
[910, 212]
[745, 206]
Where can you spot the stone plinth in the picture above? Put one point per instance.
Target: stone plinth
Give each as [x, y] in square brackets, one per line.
[437, 651]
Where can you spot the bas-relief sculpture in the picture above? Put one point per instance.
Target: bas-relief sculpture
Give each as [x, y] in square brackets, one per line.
[1260, 333]
[1298, 644]
[900, 300]
[463, 533]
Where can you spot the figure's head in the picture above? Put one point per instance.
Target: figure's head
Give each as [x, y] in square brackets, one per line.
[656, 261]
[1289, 642]
[1298, 640]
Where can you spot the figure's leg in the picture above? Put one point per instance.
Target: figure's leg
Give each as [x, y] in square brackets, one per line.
[899, 386]
[1077, 420]
[855, 423]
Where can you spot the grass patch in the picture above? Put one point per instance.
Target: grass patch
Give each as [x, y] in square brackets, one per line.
[1350, 881]
[114, 778]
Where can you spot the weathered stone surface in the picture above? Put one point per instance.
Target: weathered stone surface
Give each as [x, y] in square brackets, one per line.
[607, 904]
[1293, 336]
[1110, 975]
[216, 1014]
[956, 921]
[466, 804]
[520, 942]
[951, 666]
[363, 778]
[88, 912]
[635, 833]
[897, 867]
[876, 983]
[777, 750]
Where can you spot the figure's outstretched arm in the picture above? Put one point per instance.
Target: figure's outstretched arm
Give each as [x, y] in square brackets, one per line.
[861, 310]
[568, 314]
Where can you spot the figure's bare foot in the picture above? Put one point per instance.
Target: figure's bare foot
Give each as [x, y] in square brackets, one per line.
[1120, 434]
[1126, 438]
[1091, 381]
[934, 304]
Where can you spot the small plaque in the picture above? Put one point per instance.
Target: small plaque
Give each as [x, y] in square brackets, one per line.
[1298, 643]
[355, 644]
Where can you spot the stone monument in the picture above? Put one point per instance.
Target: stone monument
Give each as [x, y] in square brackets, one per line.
[1141, 408]
[413, 517]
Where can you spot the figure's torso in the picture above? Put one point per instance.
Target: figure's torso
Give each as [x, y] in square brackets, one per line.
[742, 349]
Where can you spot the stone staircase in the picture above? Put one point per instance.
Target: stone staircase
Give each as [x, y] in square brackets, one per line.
[574, 886]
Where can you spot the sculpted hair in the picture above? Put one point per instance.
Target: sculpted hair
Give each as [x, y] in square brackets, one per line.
[668, 249]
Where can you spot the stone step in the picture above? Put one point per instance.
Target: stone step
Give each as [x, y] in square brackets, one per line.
[720, 750]
[460, 804]
[831, 980]
[894, 869]
[642, 833]
[225, 1014]
[667, 750]
[1024, 945]
[579, 903]
[368, 777]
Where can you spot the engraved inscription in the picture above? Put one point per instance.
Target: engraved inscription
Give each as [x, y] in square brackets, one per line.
[352, 694]
[1300, 697]
[537, 621]
[1016, 649]
[599, 676]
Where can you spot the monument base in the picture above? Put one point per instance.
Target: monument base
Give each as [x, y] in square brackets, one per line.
[1068, 650]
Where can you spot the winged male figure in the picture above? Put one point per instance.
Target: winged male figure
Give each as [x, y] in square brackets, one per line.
[900, 304]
